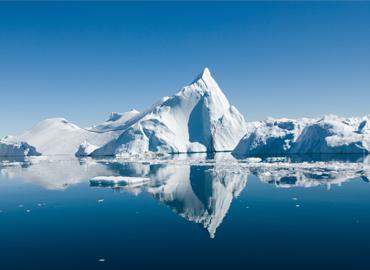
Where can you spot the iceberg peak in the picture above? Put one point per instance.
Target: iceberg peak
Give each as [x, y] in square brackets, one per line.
[206, 73]
[205, 76]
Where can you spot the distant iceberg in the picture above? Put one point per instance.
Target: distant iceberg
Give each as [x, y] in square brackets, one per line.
[329, 135]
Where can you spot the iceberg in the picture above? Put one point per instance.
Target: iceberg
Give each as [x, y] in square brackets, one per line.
[333, 134]
[328, 135]
[199, 118]
[56, 136]
[17, 149]
[271, 137]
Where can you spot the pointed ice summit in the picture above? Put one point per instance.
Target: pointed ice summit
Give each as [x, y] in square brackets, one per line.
[199, 118]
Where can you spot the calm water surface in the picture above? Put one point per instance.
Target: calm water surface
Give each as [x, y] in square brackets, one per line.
[65, 213]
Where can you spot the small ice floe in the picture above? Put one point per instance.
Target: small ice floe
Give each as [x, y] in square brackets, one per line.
[28, 211]
[297, 205]
[101, 260]
[20, 205]
[100, 200]
[117, 181]
[253, 160]
[247, 207]
[295, 199]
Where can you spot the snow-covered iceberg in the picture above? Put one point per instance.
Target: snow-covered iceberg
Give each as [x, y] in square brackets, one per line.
[57, 136]
[333, 134]
[328, 135]
[199, 118]
[271, 137]
[16, 149]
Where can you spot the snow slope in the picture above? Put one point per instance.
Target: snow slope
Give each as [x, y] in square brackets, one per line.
[198, 118]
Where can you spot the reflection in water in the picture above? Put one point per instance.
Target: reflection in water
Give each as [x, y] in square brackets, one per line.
[197, 188]
[201, 194]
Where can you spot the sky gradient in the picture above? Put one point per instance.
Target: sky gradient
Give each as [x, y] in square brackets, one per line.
[83, 60]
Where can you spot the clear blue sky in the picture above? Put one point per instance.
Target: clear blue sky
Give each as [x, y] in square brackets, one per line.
[84, 60]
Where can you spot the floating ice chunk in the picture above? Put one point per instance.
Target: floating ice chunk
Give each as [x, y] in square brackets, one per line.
[253, 160]
[8, 148]
[118, 180]
[85, 149]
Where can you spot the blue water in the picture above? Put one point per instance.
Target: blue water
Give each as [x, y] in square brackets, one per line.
[202, 216]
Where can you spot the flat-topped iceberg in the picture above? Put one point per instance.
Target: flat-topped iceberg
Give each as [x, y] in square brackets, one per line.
[328, 135]
[333, 134]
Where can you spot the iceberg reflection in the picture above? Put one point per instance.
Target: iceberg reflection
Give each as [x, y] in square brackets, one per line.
[198, 188]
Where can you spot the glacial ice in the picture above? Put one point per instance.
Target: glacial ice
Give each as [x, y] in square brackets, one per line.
[197, 119]
[328, 135]
[17, 149]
